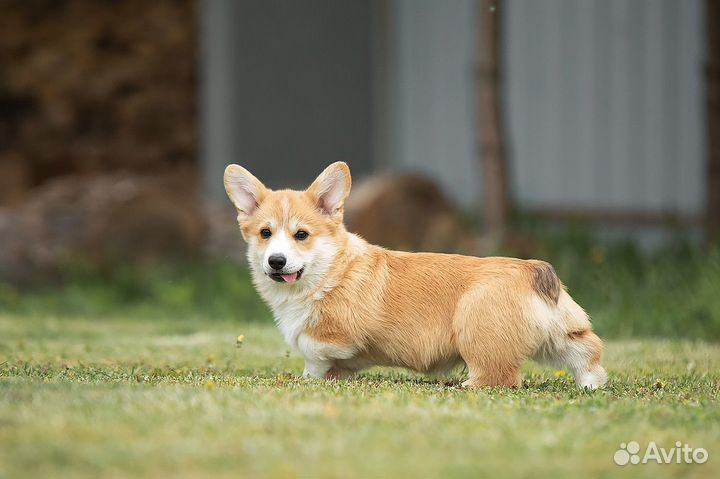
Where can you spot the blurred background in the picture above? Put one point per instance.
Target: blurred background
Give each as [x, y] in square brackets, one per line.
[584, 133]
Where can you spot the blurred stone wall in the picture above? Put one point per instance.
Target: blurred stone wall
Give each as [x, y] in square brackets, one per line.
[98, 133]
[89, 86]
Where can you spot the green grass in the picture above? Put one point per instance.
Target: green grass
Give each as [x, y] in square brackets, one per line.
[670, 293]
[118, 397]
[135, 372]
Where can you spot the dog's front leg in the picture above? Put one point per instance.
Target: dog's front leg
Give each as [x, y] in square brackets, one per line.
[320, 356]
[316, 368]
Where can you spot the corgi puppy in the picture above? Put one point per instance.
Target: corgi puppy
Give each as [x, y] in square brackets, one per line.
[346, 305]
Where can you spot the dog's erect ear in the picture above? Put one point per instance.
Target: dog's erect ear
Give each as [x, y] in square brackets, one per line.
[245, 191]
[331, 188]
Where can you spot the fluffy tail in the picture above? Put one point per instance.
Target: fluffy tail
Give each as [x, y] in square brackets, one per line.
[570, 341]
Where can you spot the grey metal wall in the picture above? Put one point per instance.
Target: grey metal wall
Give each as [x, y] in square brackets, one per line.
[285, 88]
[433, 47]
[604, 98]
[605, 103]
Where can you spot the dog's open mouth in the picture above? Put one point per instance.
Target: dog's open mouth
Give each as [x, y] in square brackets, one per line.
[287, 278]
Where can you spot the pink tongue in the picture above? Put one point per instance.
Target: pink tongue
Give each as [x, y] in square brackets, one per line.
[290, 278]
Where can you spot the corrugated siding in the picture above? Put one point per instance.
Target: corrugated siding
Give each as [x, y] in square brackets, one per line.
[605, 103]
[435, 43]
[604, 98]
[285, 89]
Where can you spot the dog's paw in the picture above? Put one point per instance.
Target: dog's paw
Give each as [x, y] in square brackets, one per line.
[593, 379]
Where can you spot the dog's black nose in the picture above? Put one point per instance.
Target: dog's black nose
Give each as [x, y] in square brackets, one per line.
[277, 261]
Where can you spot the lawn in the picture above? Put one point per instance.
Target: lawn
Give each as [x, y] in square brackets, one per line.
[116, 397]
[137, 372]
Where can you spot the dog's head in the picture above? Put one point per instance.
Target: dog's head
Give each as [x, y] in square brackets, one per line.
[292, 236]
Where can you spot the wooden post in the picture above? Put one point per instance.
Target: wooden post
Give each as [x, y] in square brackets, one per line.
[712, 91]
[492, 146]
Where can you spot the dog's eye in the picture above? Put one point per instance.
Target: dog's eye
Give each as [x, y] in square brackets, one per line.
[301, 235]
[265, 233]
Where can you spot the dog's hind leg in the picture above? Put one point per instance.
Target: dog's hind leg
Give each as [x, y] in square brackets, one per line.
[492, 374]
[573, 345]
[490, 338]
[582, 357]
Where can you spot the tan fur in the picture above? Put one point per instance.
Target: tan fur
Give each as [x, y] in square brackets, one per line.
[423, 311]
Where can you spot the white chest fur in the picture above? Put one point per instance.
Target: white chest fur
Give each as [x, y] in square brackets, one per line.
[291, 308]
[292, 312]
[291, 318]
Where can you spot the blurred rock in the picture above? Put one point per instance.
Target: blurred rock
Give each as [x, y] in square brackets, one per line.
[14, 179]
[108, 219]
[407, 212]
